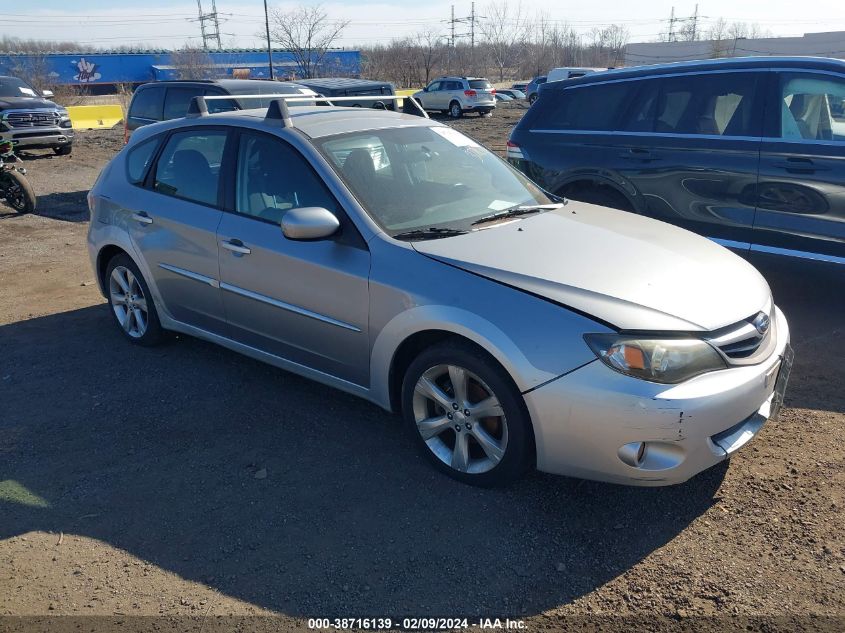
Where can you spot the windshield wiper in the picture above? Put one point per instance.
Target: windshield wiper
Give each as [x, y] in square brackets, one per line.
[431, 232]
[513, 212]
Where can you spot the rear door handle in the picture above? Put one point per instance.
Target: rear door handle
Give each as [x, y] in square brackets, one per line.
[800, 166]
[236, 246]
[142, 217]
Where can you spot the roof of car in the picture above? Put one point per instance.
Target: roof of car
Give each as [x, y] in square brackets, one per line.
[314, 121]
[811, 63]
[341, 82]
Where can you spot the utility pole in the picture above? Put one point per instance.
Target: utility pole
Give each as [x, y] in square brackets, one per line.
[695, 25]
[212, 31]
[269, 46]
[452, 21]
[671, 37]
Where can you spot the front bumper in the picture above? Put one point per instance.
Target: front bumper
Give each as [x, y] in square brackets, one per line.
[588, 422]
[38, 138]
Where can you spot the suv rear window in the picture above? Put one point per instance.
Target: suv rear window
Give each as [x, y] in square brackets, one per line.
[147, 103]
[480, 84]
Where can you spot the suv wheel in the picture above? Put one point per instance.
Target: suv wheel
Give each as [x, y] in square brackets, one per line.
[63, 150]
[455, 110]
[466, 415]
[131, 303]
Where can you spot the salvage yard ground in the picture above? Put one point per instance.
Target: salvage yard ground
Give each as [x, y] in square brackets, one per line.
[186, 480]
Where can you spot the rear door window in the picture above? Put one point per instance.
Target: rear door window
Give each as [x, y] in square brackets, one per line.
[147, 104]
[480, 84]
[716, 104]
[189, 165]
[177, 101]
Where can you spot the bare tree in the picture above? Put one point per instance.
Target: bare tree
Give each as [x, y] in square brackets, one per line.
[308, 33]
[191, 62]
[430, 45]
[503, 29]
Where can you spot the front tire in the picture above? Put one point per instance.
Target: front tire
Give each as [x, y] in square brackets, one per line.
[131, 302]
[63, 150]
[467, 415]
[18, 192]
[455, 110]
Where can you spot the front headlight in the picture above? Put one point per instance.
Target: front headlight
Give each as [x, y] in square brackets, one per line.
[665, 360]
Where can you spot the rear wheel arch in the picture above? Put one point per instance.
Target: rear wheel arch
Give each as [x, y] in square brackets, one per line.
[106, 254]
[598, 191]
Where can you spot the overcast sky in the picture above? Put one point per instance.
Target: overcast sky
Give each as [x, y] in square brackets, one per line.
[169, 24]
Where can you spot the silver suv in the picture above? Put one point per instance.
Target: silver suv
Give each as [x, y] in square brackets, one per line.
[456, 95]
[396, 259]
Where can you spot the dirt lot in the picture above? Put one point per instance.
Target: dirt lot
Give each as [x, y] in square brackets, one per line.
[131, 480]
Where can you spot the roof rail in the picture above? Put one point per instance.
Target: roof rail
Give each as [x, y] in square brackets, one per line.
[278, 109]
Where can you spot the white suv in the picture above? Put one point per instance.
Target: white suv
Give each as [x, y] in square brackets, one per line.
[457, 95]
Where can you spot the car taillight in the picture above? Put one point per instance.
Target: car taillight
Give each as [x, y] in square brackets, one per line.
[470, 93]
[514, 151]
[492, 91]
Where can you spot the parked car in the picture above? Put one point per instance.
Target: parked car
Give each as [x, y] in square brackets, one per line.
[745, 151]
[166, 100]
[561, 74]
[520, 85]
[533, 88]
[347, 87]
[457, 95]
[396, 259]
[503, 97]
[30, 120]
[512, 93]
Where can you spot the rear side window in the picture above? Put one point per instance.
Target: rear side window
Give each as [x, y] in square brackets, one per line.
[480, 84]
[177, 101]
[138, 159]
[147, 104]
[591, 108]
[719, 104]
[189, 166]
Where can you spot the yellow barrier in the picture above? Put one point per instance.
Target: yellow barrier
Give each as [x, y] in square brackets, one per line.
[95, 117]
[405, 93]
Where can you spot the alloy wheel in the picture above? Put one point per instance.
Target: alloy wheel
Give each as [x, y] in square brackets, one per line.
[460, 419]
[128, 302]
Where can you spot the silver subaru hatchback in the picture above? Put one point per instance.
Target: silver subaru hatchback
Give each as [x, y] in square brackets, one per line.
[396, 259]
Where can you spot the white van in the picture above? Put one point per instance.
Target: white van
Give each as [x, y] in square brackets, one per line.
[559, 74]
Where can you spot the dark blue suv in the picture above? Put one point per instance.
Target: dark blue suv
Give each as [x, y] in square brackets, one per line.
[749, 152]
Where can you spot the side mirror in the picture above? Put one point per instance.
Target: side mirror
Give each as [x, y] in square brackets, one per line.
[425, 89]
[47, 94]
[309, 223]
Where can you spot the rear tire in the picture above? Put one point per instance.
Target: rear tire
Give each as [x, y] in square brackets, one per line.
[131, 302]
[19, 193]
[446, 392]
[63, 150]
[455, 110]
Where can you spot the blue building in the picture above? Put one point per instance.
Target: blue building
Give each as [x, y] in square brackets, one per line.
[105, 69]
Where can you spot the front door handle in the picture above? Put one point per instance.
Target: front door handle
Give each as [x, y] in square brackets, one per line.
[142, 217]
[236, 246]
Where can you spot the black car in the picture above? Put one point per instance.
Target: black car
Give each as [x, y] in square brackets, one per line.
[30, 121]
[749, 152]
[348, 87]
[166, 100]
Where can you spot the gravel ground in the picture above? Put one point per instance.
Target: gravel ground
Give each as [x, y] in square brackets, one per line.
[186, 480]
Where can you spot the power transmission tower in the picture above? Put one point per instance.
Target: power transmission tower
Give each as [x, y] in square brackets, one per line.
[210, 32]
[671, 37]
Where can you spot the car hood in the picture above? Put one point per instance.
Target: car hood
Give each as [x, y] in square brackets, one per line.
[628, 271]
[25, 103]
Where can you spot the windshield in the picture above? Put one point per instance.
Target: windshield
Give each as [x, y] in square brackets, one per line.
[14, 87]
[423, 177]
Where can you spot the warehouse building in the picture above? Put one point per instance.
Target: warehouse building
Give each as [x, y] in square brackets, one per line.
[102, 71]
[830, 44]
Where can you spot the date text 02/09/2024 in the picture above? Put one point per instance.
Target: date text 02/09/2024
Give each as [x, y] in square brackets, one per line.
[415, 624]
